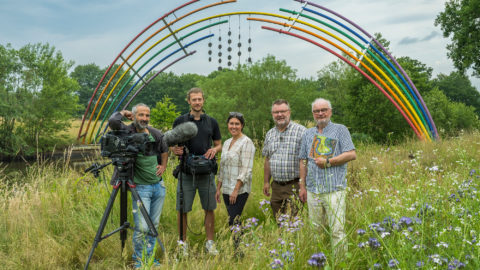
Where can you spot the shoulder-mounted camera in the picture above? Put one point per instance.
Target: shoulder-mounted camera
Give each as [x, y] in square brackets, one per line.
[122, 143]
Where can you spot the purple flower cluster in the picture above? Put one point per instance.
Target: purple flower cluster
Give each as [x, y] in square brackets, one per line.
[318, 260]
[373, 243]
[393, 263]
[289, 224]
[276, 264]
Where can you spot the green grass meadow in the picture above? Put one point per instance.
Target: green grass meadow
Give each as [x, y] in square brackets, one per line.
[409, 206]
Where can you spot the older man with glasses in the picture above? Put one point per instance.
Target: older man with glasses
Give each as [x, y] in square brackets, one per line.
[325, 151]
[280, 149]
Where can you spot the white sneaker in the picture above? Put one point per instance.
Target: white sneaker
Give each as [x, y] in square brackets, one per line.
[211, 249]
[182, 248]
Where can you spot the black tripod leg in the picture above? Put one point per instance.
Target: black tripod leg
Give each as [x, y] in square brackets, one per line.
[151, 226]
[98, 236]
[123, 215]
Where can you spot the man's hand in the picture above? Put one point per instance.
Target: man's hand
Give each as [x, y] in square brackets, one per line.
[321, 162]
[160, 170]
[210, 153]
[302, 194]
[127, 114]
[177, 150]
[266, 189]
[217, 196]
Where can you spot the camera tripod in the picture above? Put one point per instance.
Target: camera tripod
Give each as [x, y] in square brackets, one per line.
[122, 182]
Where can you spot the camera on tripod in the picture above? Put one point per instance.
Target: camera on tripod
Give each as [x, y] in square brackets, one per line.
[122, 143]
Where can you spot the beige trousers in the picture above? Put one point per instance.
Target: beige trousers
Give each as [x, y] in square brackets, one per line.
[328, 211]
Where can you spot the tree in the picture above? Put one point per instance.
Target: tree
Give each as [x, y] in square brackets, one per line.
[461, 20]
[457, 87]
[251, 90]
[164, 113]
[450, 117]
[87, 77]
[40, 97]
[171, 85]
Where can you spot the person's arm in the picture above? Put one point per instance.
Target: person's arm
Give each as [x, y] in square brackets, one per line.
[303, 176]
[218, 193]
[336, 161]
[266, 177]
[115, 121]
[233, 196]
[343, 158]
[163, 165]
[217, 147]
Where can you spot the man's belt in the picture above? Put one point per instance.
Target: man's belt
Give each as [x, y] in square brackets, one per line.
[285, 183]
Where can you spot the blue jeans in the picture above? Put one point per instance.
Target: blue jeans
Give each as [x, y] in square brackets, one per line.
[152, 197]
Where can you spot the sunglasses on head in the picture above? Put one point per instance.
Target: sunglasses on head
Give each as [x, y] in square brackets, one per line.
[236, 114]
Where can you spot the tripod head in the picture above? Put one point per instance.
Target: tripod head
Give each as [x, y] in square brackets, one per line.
[95, 168]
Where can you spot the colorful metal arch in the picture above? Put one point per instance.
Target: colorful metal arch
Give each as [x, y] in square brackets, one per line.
[377, 64]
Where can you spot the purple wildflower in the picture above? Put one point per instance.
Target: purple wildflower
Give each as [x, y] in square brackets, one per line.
[392, 263]
[361, 231]
[472, 172]
[420, 264]
[288, 256]
[276, 264]
[405, 222]
[373, 243]
[362, 244]
[317, 259]
[455, 264]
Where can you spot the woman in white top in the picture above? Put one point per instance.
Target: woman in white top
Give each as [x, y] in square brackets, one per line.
[235, 173]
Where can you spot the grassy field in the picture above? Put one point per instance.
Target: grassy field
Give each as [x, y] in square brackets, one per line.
[410, 205]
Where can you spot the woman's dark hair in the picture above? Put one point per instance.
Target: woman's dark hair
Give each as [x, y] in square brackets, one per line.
[238, 116]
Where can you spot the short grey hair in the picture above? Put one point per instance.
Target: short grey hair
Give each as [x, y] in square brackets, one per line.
[135, 108]
[280, 102]
[318, 100]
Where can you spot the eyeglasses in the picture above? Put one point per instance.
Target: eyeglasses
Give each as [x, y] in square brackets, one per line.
[236, 114]
[280, 112]
[324, 110]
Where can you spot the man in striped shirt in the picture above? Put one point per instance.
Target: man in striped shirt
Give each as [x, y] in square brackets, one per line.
[280, 149]
[324, 153]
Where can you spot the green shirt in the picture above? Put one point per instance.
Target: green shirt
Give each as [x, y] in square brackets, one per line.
[146, 168]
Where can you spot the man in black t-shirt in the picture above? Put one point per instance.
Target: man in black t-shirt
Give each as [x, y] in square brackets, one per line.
[201, 144]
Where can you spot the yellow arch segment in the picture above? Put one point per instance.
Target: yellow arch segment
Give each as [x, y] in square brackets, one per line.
[134, 51]
[289, 19]
[419, 128]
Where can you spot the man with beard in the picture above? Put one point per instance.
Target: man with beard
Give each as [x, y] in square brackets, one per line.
[280, 149]
[324, 153]
[147, 175]
[199, 147]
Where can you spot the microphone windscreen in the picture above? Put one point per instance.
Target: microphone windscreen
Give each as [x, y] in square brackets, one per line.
[180, 133]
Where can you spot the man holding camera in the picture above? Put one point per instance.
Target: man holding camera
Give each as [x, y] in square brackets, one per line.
[199, 148]
[147, 175]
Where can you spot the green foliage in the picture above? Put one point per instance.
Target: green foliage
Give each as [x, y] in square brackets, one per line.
[38, 98]
[171, 85]
[55, 211]
[460, 19]
[252, 89]
[88, 77]
[450, 117]
[164, 113]
[457, 87]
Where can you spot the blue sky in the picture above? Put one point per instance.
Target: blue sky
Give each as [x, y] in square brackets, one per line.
[96, 31]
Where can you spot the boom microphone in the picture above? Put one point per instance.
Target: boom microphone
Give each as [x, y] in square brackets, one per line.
[181, 133]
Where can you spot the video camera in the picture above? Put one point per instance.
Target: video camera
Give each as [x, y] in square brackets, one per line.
[122, 143]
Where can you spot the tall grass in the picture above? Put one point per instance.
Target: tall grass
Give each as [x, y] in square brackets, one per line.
[409, 204]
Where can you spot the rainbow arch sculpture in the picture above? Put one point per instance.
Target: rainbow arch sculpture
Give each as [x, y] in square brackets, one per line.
[312, 23]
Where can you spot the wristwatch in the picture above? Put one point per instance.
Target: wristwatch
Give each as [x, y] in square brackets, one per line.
[328, 164]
